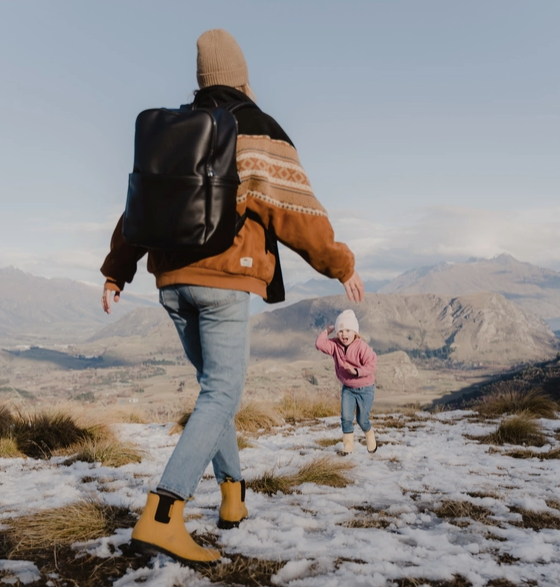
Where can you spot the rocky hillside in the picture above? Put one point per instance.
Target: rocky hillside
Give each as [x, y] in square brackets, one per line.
[533, 288]
[479, 328]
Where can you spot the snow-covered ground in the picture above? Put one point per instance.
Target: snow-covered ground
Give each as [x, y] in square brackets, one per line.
[422, 464]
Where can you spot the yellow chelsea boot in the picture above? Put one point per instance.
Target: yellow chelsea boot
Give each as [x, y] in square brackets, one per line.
[232, 508]
[161, 528]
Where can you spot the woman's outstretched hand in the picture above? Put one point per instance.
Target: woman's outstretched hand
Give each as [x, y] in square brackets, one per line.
[354, 288]
[106, 299]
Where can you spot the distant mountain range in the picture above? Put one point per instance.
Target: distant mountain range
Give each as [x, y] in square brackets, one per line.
[35, 310]
[478, 328]
[533, 288]
[482, 328]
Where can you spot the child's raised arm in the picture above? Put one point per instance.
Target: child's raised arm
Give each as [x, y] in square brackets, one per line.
[323, 343]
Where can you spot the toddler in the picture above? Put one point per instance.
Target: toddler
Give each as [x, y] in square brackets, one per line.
[355, 364]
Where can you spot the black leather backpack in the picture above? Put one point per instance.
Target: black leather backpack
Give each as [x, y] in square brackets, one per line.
[183, 188]
[182, 191]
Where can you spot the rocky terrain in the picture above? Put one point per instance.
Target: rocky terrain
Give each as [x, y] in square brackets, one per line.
[477, 328]
[533, 288]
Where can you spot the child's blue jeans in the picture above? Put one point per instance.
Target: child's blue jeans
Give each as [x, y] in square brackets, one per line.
[359, 400]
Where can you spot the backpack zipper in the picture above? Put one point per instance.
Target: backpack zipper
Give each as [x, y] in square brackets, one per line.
[209, 170]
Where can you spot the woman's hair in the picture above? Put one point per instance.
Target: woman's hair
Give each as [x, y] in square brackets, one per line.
[246, 89]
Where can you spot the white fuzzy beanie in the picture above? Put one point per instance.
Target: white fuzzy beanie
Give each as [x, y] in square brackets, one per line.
[347, 321]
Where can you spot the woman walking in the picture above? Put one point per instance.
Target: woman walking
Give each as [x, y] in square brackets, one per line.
[208, 300]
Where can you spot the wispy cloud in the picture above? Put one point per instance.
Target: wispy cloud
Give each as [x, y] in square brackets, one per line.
[383, 250]
[445, 233]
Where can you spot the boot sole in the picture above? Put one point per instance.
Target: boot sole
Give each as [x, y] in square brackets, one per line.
[374, 450]
[225, 525]
[154, 550]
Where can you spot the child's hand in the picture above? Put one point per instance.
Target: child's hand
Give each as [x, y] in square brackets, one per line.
[350, 368]
[330, 328]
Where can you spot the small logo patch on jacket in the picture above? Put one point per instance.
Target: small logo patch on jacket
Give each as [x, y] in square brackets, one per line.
[246, 261]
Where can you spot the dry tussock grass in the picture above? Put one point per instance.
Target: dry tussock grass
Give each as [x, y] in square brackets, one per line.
[110, 452]
[243, 442]
[321, 471]
[456, 581]
[243, 570]
[536, 520]
[84, 520]
[516, 397]
[518, 429]
[254, 416]
[6, 420]
[9, 449]
[251, 417]
[369, 517]
[296, 405]
[554, 504]
[51, 431]
[533, 454]
[325, 442]
[459, 510]
[63, 430]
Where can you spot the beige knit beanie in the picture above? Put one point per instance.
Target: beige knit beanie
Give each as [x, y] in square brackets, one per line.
[347, 321]
[220, 60]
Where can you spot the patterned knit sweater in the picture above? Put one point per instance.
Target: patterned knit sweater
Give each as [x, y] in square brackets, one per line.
[275, 186]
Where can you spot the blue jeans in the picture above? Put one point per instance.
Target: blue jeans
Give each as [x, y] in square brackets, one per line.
[213, 325]
[359, 400]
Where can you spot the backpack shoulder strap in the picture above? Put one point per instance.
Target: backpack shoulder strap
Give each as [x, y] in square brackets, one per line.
[237, 105]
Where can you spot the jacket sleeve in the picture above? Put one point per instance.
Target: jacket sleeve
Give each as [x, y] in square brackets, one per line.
[120, 264]
[275, 186]
[324, 344]
[368, 360]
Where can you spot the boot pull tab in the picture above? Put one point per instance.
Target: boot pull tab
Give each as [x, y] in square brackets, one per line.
[164, 508]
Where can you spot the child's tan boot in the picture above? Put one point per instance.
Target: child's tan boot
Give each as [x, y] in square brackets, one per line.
[161, 528]
[347, 444]
[232, 509]
[370, 441]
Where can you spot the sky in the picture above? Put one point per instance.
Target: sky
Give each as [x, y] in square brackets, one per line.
[423, 462]
[430, 130]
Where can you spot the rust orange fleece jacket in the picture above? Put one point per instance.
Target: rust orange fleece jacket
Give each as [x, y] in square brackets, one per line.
[275, 186]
